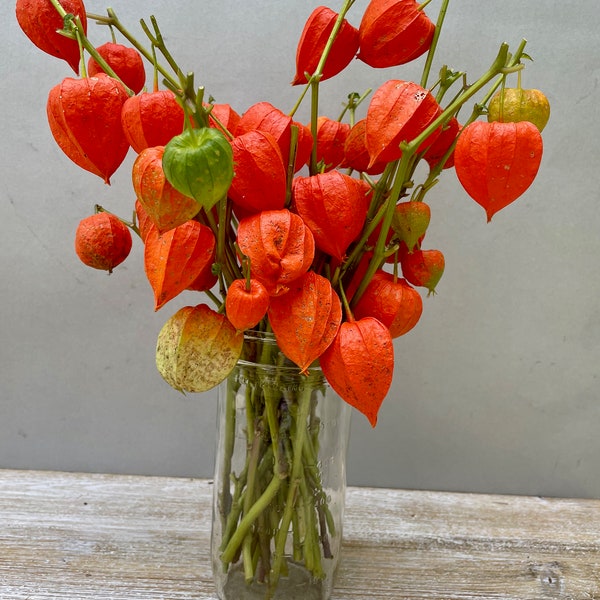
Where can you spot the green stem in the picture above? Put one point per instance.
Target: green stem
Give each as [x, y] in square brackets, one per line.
[304, 398]
[434, 42]
[249, 518]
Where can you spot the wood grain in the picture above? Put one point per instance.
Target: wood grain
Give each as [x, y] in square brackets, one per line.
[80, 537]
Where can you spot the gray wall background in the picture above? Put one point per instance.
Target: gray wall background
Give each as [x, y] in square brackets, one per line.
[497, 388]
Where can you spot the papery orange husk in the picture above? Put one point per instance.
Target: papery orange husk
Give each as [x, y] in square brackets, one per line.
[442, 144]
[197, 348]
[393, 32]
[167, 207]
[334, 206]
[496, 162]
[359, 364]
[223, 114]
[263, 116]
[245, 307]
[356, 155]
[279, 245]
[41, 22]
[306, 319]
[85, 120]
[399, 111]
[331, 139]
[125, 61]
[423, 268]
[174, 259]
[312, 42]
[102, 241]
[144, 222]
[259, 180]
[151, 119]
[392, 301]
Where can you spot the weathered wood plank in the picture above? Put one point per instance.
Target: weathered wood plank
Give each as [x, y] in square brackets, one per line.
[82, 537]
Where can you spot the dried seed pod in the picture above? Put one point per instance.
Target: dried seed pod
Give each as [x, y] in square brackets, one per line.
[393, 32]
[359, 364]
[279, 245]
[125, 61]
[151, 119]
[197, 348]
[312, 42]
[334, 206]
[496, 162]
[41, 22]
[102, 241]
[85, 119]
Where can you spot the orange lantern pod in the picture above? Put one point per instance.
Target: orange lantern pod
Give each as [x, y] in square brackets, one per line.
[279, 245]
[392, 301]
[259, 180]
[359, 364]
[41, 23]
[399, 111]
[334, 206]
[85, 120]
[151, 119]
[496, 162]
[312, 43]
[125, 61]
[331, 139]
[174, 260]
[306, 319]
[393, 32]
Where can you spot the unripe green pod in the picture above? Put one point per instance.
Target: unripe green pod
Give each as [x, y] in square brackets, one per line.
[199, 164]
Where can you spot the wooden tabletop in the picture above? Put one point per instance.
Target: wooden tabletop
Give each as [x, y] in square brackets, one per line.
[80, 537]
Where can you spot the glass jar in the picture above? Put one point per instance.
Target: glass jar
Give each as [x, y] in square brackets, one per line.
[280, 479]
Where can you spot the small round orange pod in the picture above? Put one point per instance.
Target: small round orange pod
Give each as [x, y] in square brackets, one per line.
[125, 61]
[246, 303]
[392, 301]
[102, 241]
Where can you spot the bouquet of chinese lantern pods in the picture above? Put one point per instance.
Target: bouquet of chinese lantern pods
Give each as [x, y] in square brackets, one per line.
[313, 231]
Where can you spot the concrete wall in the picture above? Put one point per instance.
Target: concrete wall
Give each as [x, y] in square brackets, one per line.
[497, 388]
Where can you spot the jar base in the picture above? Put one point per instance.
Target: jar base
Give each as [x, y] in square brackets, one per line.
[297, 585]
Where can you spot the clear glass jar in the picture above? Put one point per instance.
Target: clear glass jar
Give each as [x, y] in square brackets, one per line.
[280, 479]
